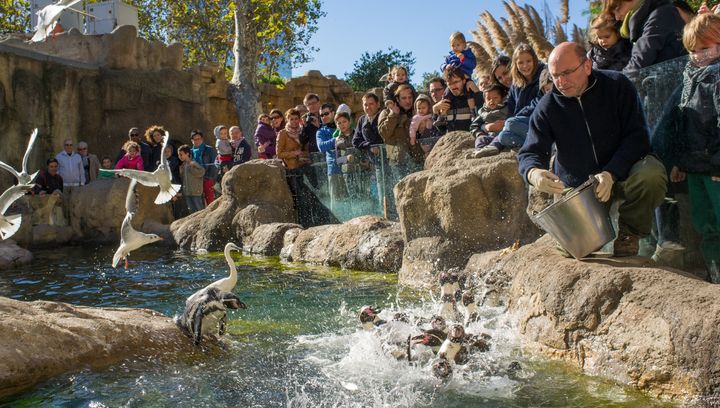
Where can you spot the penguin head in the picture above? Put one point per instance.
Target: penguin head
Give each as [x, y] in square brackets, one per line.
[448, 277]
[442, 368]
[368, 313]
[456, 333]
[438, 323]
[468, 298]
[231, 301]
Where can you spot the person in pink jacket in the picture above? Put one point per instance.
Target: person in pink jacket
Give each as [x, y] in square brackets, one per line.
[131, 159]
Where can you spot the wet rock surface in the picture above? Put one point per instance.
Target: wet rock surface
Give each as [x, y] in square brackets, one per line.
[43, 339]
[621, 318]
[253, 193]
[12, 255]
[366, 243]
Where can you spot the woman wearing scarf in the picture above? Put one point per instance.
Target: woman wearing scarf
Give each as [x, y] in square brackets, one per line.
[289, 148]
[653, 26]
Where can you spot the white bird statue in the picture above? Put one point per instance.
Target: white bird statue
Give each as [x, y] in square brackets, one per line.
[130, 238]
[226, 284]
[160, 177]
[23, 176]
[10, 224]
[48, 16]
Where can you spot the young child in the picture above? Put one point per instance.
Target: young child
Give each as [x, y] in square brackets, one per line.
[191, 174]
[524, 94]
[699, 150]
[223, 147]
[397, 76]
[131, 159]
[462, 57]
[546, 83]
[609, 50]
[106, 164]
[492, 110]
[421, 124]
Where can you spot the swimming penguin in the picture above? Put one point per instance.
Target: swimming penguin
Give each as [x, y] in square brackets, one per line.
[206, 314]
[433, 337]
[369, 317]
[471, 312]
[449, 289]
[452, 348]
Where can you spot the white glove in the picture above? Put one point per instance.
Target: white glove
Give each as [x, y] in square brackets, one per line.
[545, 181]
[603, 191]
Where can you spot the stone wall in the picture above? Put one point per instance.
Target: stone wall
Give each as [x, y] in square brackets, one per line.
[98, 97]
[328, 88]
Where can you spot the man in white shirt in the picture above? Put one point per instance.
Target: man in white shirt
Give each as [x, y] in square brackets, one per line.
[71, 166]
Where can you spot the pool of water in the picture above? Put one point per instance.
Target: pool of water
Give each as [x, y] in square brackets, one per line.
[298, 344]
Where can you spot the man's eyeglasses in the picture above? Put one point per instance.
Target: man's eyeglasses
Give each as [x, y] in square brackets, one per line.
[324, 114]
[436, 90]
[134, 134]
[68, 144]
[567, 72]
[82, 148]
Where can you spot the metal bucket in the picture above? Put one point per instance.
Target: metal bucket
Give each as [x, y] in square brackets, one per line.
[578, 221]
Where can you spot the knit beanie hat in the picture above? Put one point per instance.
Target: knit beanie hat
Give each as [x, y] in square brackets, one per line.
[344, 108]
[216, 131]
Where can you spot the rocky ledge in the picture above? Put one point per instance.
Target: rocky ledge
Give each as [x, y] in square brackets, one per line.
[43, 339]
[623, 318]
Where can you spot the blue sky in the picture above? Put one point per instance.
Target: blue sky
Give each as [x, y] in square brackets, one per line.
[352, 27]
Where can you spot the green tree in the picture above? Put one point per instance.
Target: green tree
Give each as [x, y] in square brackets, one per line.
[425, 80]
[15, 16]
[369, 68]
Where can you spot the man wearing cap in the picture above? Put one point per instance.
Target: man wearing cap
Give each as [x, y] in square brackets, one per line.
[596, 122]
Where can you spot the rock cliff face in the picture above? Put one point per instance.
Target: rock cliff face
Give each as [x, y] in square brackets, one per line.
[43, 339]
[253, 193]
[651, 328]
[457, 207]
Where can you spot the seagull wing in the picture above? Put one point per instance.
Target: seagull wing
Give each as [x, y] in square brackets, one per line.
[131, 199]
[143, 177]
[11, 194]
[31, 143]
[163, 159]
[9, 168]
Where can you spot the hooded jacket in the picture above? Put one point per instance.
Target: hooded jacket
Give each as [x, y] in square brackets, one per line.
[602, 130]
[699, 145]
[656, 34]
[265, 133]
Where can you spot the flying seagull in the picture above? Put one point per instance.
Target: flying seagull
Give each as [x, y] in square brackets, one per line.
[23, 177]
[130, 238]
[10, 224]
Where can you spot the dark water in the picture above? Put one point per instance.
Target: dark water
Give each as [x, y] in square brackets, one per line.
[297, 345]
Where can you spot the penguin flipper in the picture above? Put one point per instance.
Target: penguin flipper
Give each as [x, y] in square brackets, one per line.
[197, 324]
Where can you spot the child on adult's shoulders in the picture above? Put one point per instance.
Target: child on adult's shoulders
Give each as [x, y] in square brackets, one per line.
[462, 57]
[493, 109]
[609, 50]
[397, 76]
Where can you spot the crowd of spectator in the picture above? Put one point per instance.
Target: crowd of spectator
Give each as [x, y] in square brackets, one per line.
[578, 108]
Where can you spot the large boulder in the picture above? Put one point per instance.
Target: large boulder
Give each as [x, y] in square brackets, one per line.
[470, 205]
[43, 339]
[268, 239]
[654, 329]
[12, 255]
[253, 193]
[96, 210]
[366, 243]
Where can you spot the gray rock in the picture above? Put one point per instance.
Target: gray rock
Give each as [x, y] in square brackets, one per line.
[12, 255]
[268, 239]
[43, 339]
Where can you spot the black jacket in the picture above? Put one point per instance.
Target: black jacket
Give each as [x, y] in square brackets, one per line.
[614, 58]
[656, 34]
[522, 101]
[602, 130]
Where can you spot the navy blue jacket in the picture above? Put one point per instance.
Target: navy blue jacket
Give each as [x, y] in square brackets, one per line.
[602, 130]
[366, 133]
[522, 101]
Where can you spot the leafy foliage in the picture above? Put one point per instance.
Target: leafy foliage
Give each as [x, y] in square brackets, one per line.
[15, 16]
[369, 68]
[425, 81]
